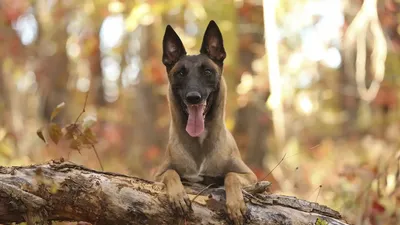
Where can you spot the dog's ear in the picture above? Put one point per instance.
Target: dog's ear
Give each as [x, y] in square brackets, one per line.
[213, 44]
[173, 48]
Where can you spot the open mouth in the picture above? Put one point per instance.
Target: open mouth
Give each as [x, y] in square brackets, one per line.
[196, 116]
[206, 103]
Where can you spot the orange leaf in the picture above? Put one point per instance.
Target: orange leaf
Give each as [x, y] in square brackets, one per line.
[57, 110]
[55, 132]
[39, 133]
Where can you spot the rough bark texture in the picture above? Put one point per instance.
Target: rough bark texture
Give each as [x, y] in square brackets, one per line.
[69, 192]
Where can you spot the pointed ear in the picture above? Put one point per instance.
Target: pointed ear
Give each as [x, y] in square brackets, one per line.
[213, 45]
[173, 48]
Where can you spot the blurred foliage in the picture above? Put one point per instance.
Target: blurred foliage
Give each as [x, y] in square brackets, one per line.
[340, 151]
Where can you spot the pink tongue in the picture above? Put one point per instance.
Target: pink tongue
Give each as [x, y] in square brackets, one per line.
[195, 123]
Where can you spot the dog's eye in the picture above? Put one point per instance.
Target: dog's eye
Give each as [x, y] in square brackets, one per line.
[180, 74]
[208, 72]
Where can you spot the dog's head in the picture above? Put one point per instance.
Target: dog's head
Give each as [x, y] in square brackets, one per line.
[194, 79]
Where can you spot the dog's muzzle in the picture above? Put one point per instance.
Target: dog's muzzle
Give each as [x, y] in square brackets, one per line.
[193, 97]
[195, 108]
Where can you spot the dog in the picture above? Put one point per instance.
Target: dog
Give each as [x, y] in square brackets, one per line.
[200, 147]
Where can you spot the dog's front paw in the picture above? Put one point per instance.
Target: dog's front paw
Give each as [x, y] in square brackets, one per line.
[180, 201]
[236, 209]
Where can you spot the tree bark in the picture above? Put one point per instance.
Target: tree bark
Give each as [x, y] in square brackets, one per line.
[62, 191]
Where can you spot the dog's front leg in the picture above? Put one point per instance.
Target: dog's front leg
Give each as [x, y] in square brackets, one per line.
[176, 193]
[236, 208]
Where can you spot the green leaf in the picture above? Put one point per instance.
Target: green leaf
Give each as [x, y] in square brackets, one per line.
[321, 222]
[55, 132]
[54, 188]
[57, 110]
[39, 133]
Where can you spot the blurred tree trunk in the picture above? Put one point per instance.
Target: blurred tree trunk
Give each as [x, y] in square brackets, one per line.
[225, 14]
[96, 83]
[12, 57]
[52, 56]
[94, 56]
[144, 108]
[252, 120]
[56, 68]
[348, 98]
[4, 98]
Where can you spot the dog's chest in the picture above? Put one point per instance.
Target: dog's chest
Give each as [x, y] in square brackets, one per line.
[202, 137]
[211, 166]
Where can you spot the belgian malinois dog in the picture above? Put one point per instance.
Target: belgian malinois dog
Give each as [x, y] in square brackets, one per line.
[200, 146]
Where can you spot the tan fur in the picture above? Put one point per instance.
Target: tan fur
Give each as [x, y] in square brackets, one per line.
[215, 155]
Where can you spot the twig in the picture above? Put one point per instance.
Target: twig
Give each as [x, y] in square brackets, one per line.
[257, 188]
[200, 192]
[98, 158]
[283, 158]
[318, 188]
[84, 108]
[94, 149]
[252, 196]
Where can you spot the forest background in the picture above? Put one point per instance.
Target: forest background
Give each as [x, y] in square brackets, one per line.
[320, 92]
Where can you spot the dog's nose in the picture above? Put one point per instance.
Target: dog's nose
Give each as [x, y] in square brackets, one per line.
[193, 97]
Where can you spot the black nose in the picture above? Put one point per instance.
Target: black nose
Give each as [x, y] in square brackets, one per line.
[193, 97]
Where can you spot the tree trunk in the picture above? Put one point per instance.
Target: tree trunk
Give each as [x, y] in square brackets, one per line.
[251, 121]
[53, 62]
[68, 192]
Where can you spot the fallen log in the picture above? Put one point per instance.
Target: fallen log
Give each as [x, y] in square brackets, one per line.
[63, 191]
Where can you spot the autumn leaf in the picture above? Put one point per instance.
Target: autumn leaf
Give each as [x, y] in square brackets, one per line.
[39, 133]
[89, 137]
[57, 110]
[75, 144]
[88, 122]
[377, 207]
[55, 132]
[71, 131]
